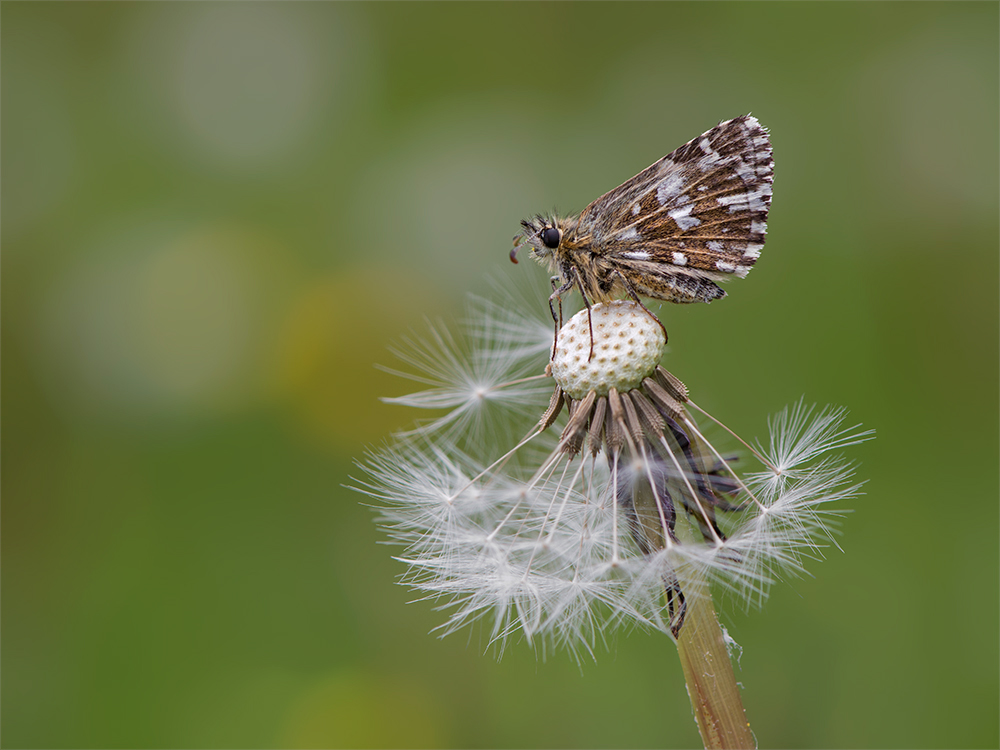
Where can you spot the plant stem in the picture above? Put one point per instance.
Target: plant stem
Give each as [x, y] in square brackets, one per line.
[711, 683]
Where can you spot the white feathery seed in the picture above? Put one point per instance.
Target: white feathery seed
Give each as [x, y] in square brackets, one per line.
[481, 378]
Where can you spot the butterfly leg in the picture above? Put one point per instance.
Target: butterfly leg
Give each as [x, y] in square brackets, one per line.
[590, 320]
[557, 292]
[635, 298]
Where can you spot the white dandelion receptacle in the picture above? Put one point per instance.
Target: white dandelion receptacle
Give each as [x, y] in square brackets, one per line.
[627, 345]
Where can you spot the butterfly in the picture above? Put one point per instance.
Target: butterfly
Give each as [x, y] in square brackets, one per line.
[694, 218]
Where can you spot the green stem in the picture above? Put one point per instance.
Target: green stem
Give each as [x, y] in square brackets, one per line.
[711, 683]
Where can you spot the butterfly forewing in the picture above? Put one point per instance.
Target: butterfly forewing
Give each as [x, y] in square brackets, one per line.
[701, 210]
[696, 217]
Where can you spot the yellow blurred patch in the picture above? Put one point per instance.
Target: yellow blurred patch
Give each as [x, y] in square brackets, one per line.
[363, 710]
[336, 332]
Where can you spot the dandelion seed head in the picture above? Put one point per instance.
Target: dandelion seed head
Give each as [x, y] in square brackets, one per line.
[597, 515]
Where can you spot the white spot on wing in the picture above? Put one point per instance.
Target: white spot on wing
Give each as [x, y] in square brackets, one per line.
[636, 209]
[680, 259]
[747, 174]
[715, 245]
[711, 159]
[725, 267]
[682, 215]
[629, 234]
[750, 200]
[636, 255]
[670, 187]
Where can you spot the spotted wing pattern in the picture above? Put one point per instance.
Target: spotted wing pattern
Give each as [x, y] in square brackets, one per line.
[701, 210]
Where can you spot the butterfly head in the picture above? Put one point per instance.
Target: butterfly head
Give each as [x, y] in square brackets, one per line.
[542, 234]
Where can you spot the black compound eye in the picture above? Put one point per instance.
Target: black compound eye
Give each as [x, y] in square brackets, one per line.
[550, 237]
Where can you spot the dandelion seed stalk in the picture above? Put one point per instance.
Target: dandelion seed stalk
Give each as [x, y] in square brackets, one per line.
[711, 683]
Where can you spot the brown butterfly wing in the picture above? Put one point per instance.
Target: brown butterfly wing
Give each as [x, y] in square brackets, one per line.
[700, 212]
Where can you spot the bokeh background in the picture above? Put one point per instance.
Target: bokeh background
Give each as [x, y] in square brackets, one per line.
[217, 217]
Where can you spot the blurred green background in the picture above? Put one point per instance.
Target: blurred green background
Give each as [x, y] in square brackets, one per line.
[216, 218]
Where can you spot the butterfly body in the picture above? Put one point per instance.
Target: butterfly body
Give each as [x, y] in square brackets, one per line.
[695, 217]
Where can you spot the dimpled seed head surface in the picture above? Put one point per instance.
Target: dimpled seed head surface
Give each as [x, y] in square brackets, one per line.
[628, 345]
